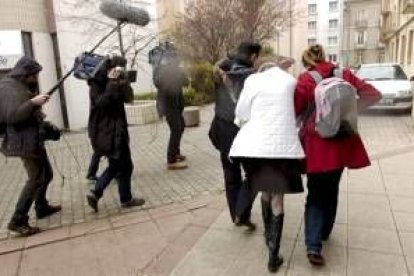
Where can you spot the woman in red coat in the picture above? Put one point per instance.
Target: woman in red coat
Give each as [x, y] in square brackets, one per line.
[326, 158]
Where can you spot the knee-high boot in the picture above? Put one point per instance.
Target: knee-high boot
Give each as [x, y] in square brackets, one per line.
[275, 235]
[266, 216]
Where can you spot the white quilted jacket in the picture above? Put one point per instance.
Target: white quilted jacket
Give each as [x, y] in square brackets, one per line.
[265, 111]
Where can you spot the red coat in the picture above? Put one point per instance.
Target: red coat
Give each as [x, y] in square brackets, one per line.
[324, 155]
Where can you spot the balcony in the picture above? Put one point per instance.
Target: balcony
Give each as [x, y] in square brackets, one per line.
[360, 46]
[408, 6]
[362, 23]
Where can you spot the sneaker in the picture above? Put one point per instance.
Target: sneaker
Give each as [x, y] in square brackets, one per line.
[92, 202]
[48, 211]
[23, 230]
[316, 259]
[179, 165]
[181, 158]
[134, 202]
[250, 225]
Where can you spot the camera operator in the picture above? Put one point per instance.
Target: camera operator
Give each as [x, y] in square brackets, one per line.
[170, 80]
[20, 110]
[108, 131]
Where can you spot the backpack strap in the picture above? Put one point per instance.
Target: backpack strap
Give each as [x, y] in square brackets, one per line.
[338, 72]
[316, 76]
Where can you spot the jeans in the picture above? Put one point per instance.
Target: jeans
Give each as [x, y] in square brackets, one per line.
[239, 197]
[40, 174]
[121, 170]
[94, 165]
[176, 124]
[321, 207]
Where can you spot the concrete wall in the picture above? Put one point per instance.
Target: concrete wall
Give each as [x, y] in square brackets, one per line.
[43, 51]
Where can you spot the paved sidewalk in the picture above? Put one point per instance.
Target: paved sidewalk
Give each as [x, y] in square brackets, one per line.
[374, 234]
[185, 230]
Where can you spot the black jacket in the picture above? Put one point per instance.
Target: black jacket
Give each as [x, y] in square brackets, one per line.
[22, 118]
[108, 127]
[227, 92]
[170, 81]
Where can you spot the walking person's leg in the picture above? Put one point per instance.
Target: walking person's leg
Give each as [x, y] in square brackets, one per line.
[244, 205]
[123, 178]
[20, 219]
[275, 229]
[103, 181]
[314, 217]
[233, 182]
[330, 202]
[42, 206]
[174, 123]
[93, 167]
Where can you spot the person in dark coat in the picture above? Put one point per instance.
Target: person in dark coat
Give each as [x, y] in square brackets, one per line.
[108, 131]
[230, 76]
[326, 159]
[20, 110]
[170, 80]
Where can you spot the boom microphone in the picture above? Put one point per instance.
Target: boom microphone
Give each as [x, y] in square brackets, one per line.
[124, 13]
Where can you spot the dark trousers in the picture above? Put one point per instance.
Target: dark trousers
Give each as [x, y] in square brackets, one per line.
[120, 169]
[239, 198]
[40, 174]
[94, 165]
[176, 124]
[321, 207]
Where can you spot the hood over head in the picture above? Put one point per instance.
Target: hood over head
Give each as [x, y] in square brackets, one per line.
[26, 66]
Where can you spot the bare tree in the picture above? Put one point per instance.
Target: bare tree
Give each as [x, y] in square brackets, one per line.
[209, 29]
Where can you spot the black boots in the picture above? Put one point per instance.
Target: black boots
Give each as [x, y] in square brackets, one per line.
[266, 216]
[274, 236]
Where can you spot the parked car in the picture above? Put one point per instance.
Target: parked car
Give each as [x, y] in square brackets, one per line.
[392, 82]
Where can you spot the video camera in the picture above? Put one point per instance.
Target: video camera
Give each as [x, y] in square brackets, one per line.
[87, 65]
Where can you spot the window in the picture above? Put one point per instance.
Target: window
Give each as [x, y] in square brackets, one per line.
[333, 40]
[382, 72]
[312, 9]
[311, 41]
[27, 44]
[333, 24]
[333, 58]
[410, 47]
[312, 25]
[333, 6]
[361, 15]
[361, 38]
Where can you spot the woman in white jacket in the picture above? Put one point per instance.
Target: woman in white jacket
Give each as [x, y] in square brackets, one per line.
[269, 147]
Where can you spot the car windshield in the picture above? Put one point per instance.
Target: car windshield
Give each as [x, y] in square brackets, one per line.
[382, 73]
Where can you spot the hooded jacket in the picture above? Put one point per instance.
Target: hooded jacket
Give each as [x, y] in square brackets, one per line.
[267, 111]
[22, 118]
[15, 104]
[325, 155]
[108, 127]
[227, 92]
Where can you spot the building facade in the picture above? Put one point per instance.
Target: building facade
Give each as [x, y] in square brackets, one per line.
[168, 11]
[397, 32]
[325, 26]
[54, 33]
[361, 33]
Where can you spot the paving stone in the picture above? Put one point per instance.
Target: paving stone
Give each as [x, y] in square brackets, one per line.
[378, 240]
[405, 221]
[48, 236]
[12, 244]
[402, 204]
[375, 264]
[407, 240]
[9, 264]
